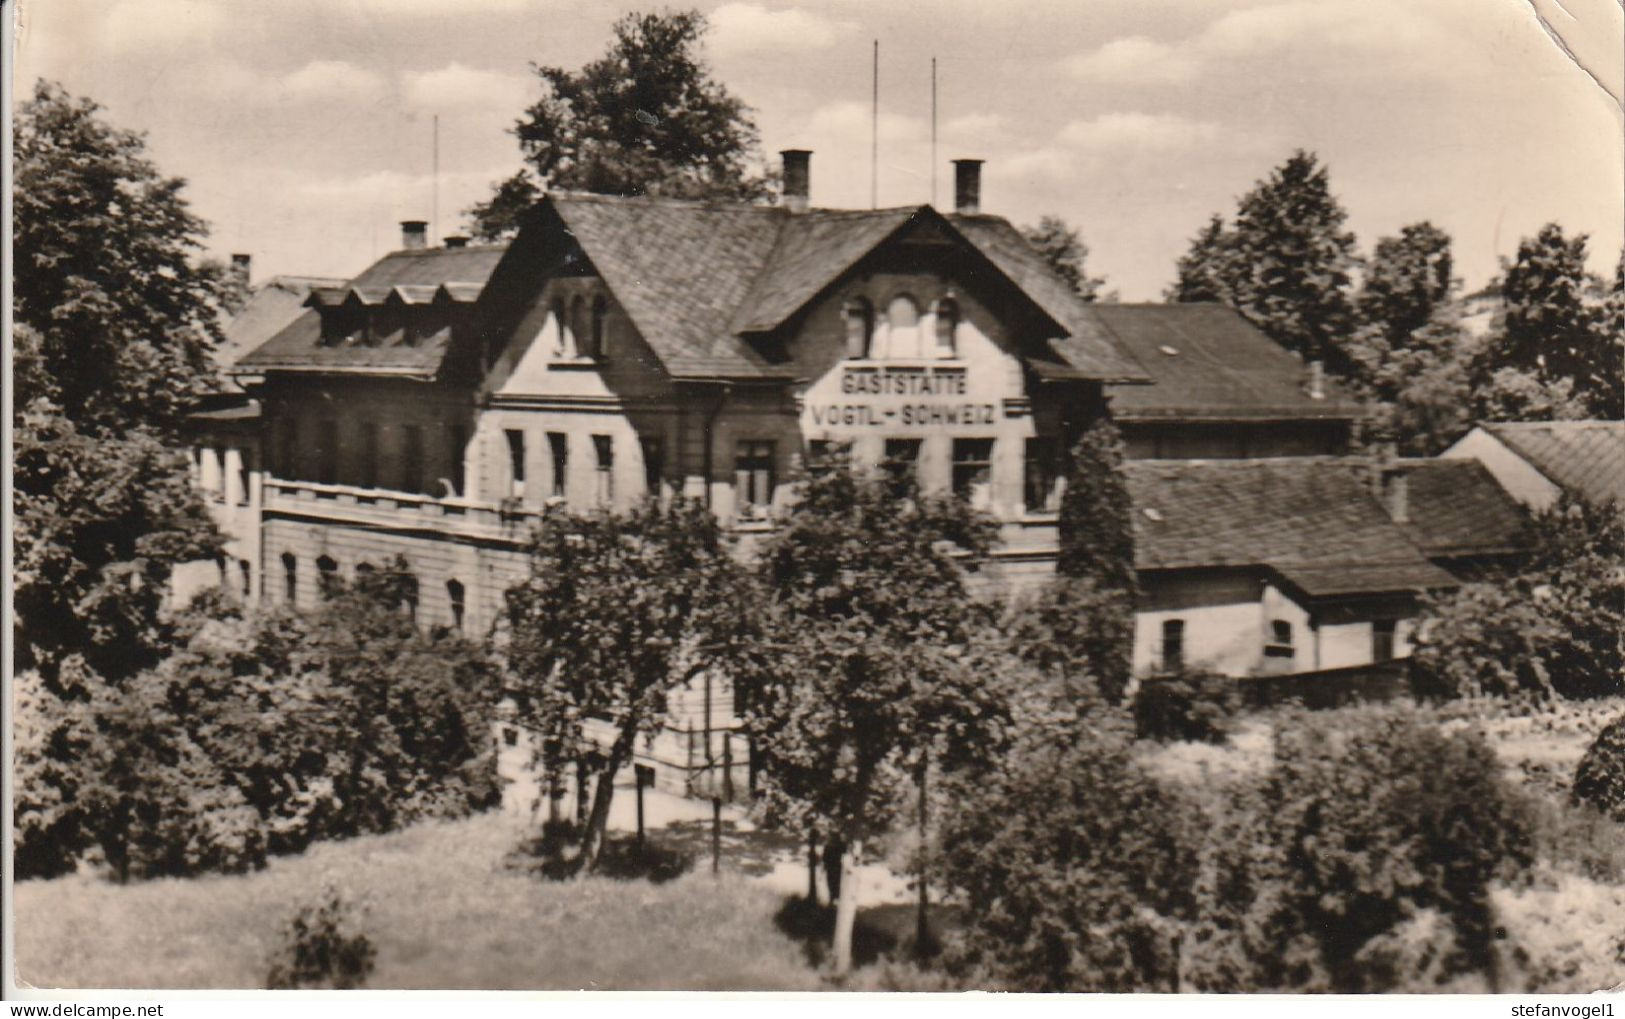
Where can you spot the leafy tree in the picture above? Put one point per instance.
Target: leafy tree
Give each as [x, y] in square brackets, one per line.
[1551, 332]
[1073, 863]
[1066, 253]
[1599, 780]
[124, 318]
[1552, 629]
[1408, 281]
[646, 118]
[868, 673]
[619, 611]
[1359, 862]
[1096, 531]
[1205, 272]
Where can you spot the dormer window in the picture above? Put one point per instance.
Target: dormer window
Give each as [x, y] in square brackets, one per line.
[947, 327]
[562, 347]
[579, 327]
[860, 327]
[903, 327]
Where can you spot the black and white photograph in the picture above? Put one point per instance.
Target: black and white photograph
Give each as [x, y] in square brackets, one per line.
[1120, 497]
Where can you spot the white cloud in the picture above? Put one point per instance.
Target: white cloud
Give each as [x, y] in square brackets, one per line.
[135, 25]
[738, 28]
[1136, 59]
[331, 80]
[457, 85]
[1142, 131]
[845, 122]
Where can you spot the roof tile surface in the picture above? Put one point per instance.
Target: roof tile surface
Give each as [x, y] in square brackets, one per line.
[1586, 458]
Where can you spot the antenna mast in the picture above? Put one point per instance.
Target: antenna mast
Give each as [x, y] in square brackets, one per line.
[933, 132]
[874, 136]
[434, 214]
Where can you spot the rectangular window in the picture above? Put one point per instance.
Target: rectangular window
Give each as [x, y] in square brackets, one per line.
[290, 579]
[1280, 642]
[973, 471]
[753, 476]
[328, 452]
[822, 455]
[1382, 640]
[1173, 645]
[654, 465]
[603, 448]
[368, 472]
[516, 462]
[412, 459]
[558, 445]
[901, 458]
[458, 444]
[1043, 476]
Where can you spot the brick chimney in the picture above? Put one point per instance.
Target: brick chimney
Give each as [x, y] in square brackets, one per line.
[1314, 382]
[1389, 484]
[456, 241]
[797, 178]
[967, 186]
[414, 234]
[241, 264]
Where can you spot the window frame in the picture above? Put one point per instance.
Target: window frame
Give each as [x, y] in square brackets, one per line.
[1041, 474]
[959, 464]
[755, 476]
[1384, 638]
[1173, 645]
[514, 438]
[603, 451]
[558, 448]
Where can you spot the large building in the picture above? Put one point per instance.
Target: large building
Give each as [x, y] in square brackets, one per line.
[437, 405]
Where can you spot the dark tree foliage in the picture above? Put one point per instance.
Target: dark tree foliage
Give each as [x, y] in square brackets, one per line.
[1204, 272]
[1551, 331]
[1066, 253]
[1070, 859]
[1078, 633]
[619, 611]
[1186, 705]
[1360, 862]
[1285, 264]
[1551, 629]
[322, 947]
[1599, 781]
[1407, 283]
[105, 273]
[261, 736]
[1096, 527]
[646, 118]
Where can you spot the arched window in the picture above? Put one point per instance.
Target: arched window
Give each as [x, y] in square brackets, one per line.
[290, 578]
[579, 334]
[860, 326]
[455, 598]
[600, 332]
[947, 322]
[561, 330]
[327, 575]
[903, 327]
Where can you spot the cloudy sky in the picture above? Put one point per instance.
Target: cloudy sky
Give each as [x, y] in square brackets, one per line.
[304, 126]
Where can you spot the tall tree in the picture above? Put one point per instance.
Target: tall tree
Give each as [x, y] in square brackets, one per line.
[1293, 260]
[1205, 272]
[1066, 253]
[1551, 332]
[106, 271]
[1408, 280]
[619, 611]
[646, 118]
[868, 677]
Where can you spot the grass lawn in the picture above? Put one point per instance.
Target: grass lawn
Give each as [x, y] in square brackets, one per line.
[442, 910]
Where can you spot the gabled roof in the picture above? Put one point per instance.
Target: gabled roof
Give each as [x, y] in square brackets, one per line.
[299, 347]
[269, 309]
[811, 250]
[1457, 508]
[1310, 520]
[1585, 458]
[1208, 362]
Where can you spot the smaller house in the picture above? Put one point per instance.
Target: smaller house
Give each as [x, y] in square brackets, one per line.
[1273, 566]
[1537, 461]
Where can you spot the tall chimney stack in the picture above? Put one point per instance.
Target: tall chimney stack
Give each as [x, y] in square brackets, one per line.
[1315, 380]
[967, 186]
[456, 241]
[797, 178]
[241, 264]
[414, 234]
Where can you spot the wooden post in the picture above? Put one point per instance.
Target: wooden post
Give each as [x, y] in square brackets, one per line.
[812, 871]
[637, 772]
[727, 766]
[716, 835]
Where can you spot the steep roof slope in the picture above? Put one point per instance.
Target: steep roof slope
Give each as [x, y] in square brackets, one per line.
[1207, 361]
[298, 346]
[1312, 519]
[1586, 458]
[269, 309]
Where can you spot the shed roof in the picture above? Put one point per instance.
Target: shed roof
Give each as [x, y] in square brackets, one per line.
[1209, 362]
[1457, 508]
[1585, 458]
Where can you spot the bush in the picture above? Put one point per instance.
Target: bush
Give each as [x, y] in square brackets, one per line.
[1071, 863]
[1360, 862]
[322, 948]
[1188, 705]
[554, 855]
[264, 735]
[1599, 781]
[1076, 631]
